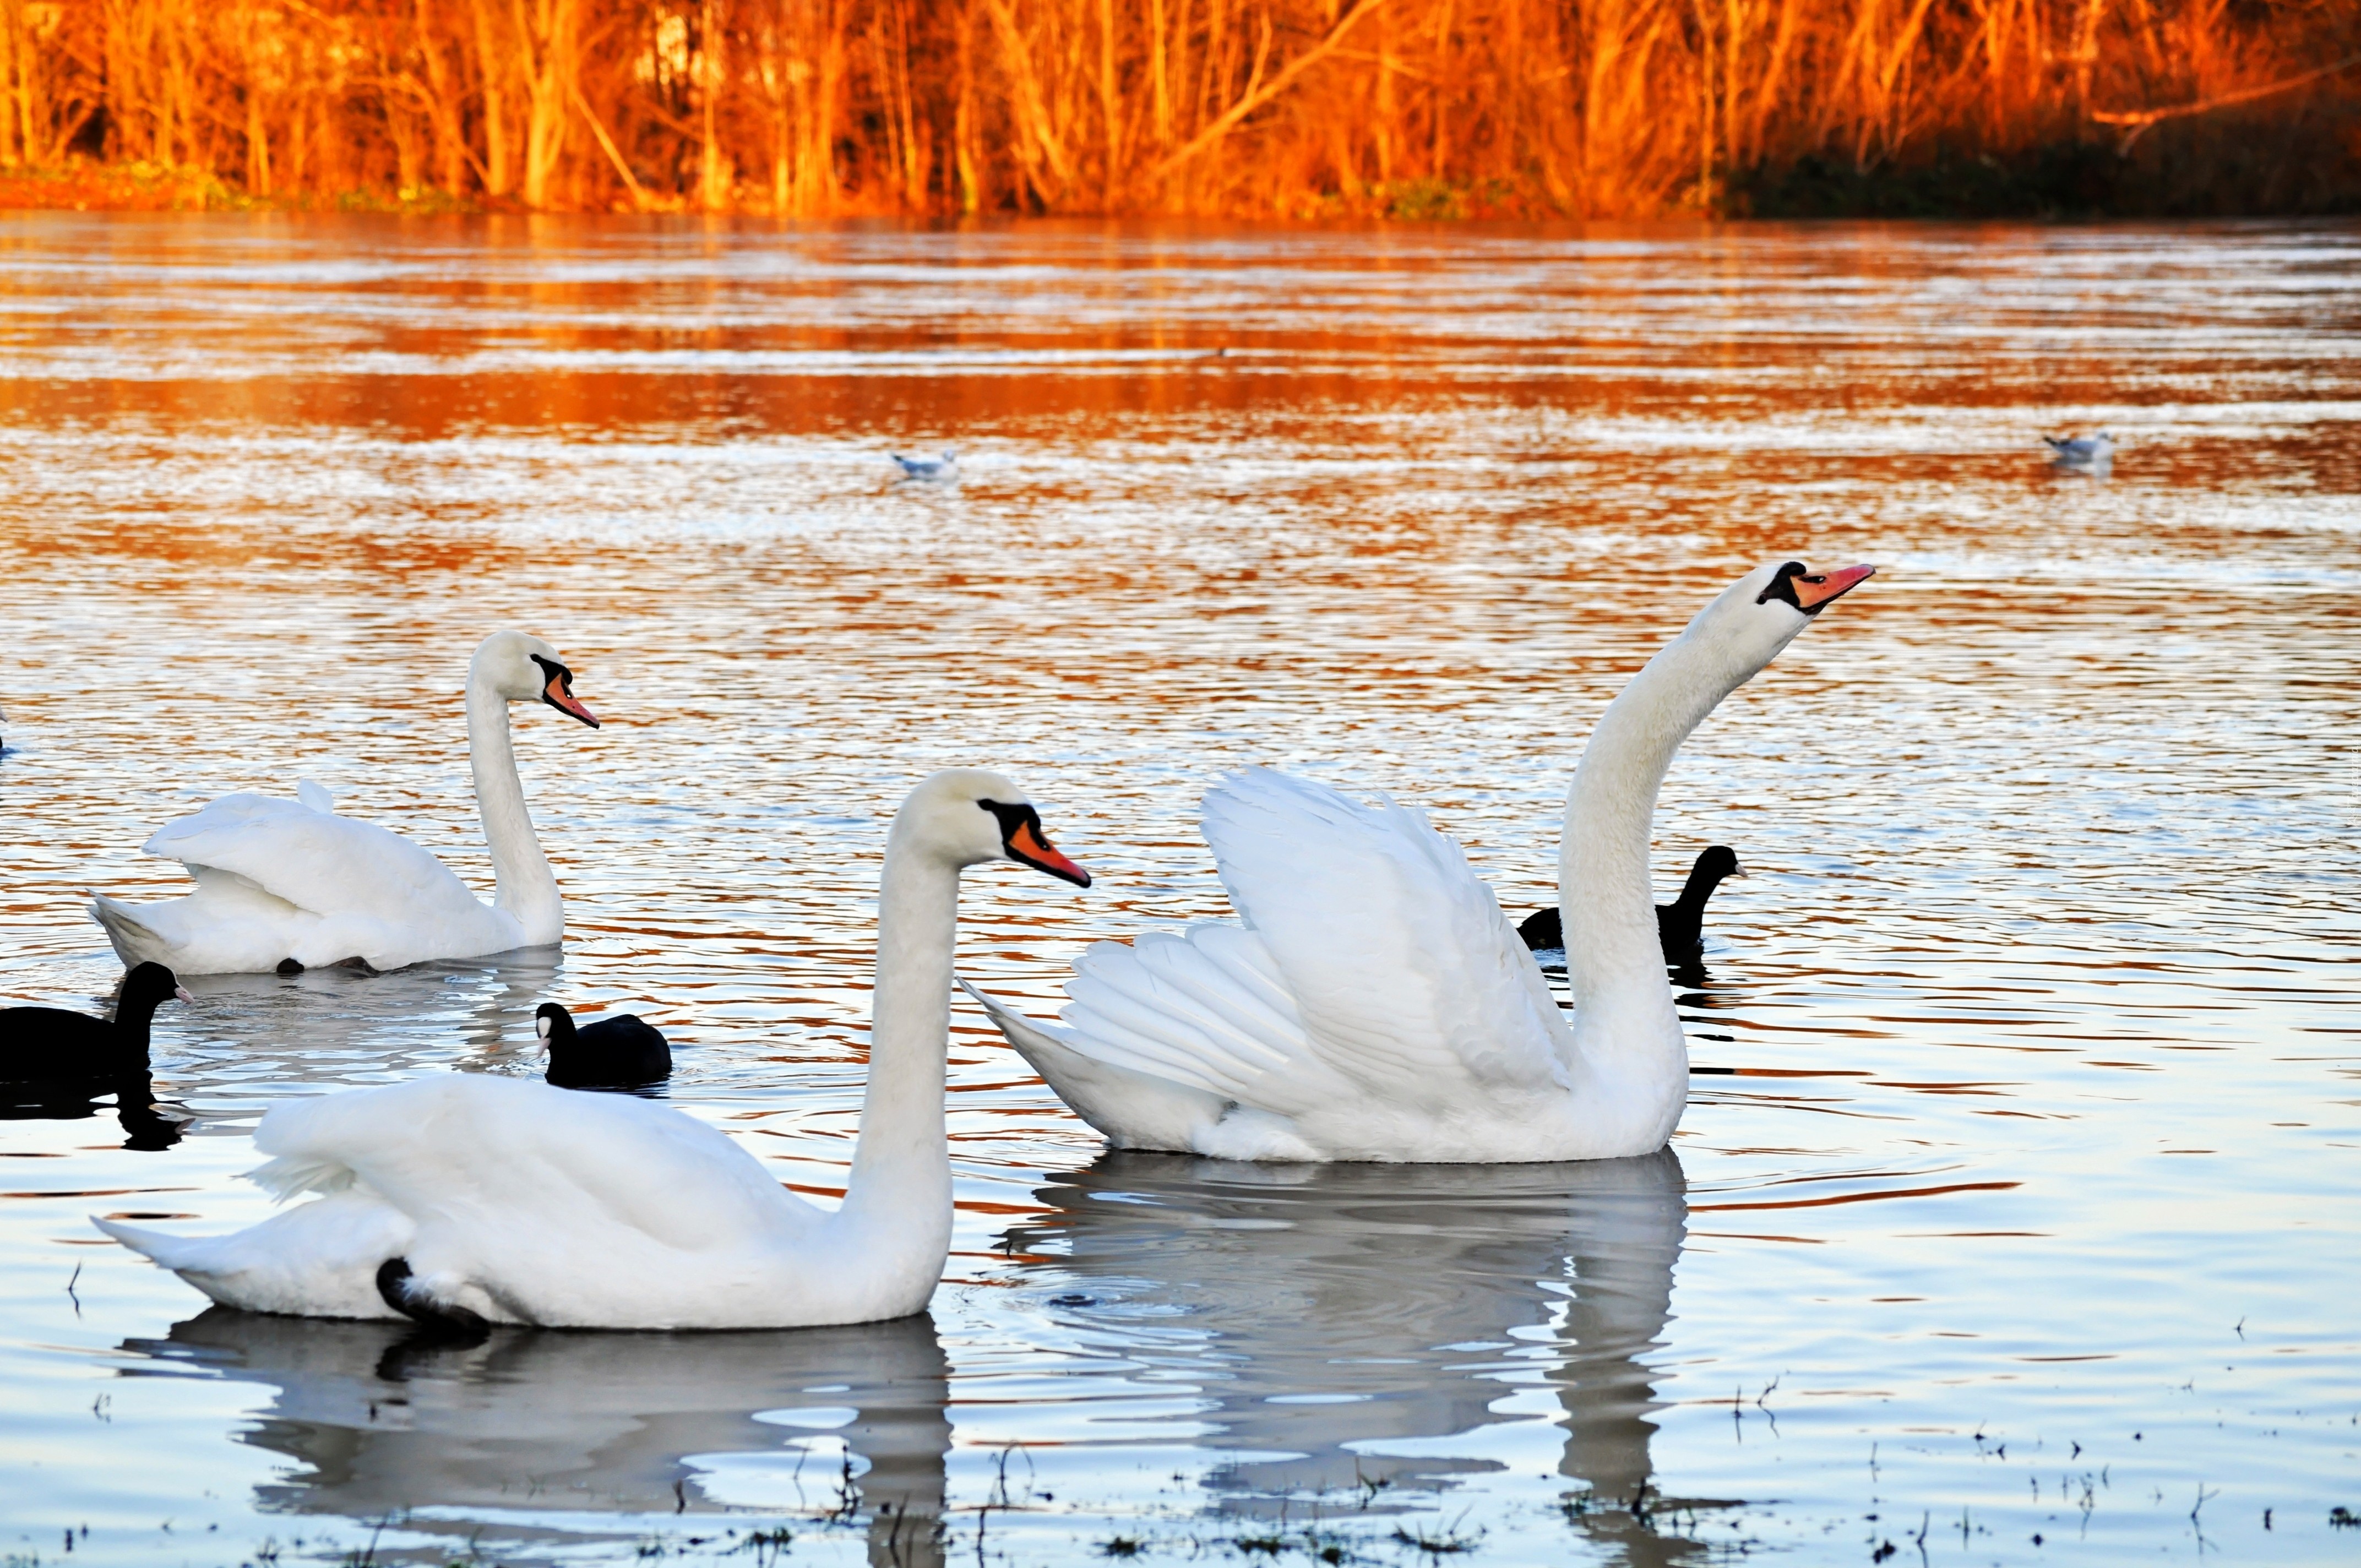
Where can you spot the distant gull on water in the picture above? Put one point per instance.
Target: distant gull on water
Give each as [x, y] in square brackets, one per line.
[2091, 454]
[943, 465]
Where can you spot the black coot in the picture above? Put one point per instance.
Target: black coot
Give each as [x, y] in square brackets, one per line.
[622, 1052]
[54, 1065]
[1680, 924]
[49, 1043]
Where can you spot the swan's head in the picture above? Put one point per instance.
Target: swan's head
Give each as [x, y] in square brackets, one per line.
[522, 667]
[1763, 611]
[969, 816]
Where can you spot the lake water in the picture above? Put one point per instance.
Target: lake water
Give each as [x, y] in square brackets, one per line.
[2027, 1235]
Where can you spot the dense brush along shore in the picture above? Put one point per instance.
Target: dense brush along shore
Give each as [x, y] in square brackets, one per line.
[1288, 109]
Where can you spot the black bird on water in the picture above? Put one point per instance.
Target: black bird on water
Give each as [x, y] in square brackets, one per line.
[622, 1052]
[54, 1063]
[1680, 924]
[50, 1043]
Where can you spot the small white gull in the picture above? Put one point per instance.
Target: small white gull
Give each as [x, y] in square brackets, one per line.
[943, 465]
[2095, 453]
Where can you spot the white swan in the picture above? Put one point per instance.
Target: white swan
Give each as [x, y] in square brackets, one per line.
[469, 1198]
[1376, 1005]
[289, 883]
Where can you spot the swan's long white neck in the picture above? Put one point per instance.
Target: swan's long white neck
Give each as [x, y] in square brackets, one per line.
[900, 1192]
[526, 887]
[1626, 1027]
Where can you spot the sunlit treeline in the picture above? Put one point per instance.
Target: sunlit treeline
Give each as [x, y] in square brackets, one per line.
[1295, 107]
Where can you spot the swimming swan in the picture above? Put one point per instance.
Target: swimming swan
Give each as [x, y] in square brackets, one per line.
[1376, 1005]
[463, 1199]
[287, 885]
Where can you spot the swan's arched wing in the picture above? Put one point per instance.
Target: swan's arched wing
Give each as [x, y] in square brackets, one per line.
[1406, 976]
[524, 1160]
[1208, 1009]
[317, 861]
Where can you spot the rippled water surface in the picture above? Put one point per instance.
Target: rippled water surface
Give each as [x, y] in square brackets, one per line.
[2025, 1233]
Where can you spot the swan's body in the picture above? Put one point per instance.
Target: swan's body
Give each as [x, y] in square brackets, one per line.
[291, 884]
[470, 1198]
[50, 1044]
[2093, 452]
[1680, 925]
[944, 465]
[622, 1052]
[1376, 1005]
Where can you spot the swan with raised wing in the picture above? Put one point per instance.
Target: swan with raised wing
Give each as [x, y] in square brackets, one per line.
[290, 885]
[464, 1200]
[1373, 1004]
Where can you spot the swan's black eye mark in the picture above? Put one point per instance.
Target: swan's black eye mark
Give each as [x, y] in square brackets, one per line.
[1023, 842]
[1012, 817]
[557, 690]
[1783, 587]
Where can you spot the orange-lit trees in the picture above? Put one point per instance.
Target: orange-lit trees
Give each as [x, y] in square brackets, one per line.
[1594, 108]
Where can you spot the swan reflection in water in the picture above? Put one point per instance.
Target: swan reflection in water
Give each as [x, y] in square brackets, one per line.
[1343, 1322]
[335, 1026]
[330, 1026]
[489, 1439]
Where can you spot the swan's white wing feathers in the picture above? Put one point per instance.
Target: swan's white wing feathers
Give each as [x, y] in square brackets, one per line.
[1135, 1110]
[532, 1160]
[316, 861]
[1407, 978]
[1206, 1009]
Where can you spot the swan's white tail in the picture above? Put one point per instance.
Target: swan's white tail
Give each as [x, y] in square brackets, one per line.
[136, 942]
[175, 1253]
[1135, 1110]
[318, 1259]
[1022, 1032]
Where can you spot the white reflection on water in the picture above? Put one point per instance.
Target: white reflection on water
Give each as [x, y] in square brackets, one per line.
[1467, 1297]
[2033, 1217]
[474, 1439]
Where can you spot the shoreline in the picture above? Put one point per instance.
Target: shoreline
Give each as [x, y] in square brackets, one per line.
[2068, 184]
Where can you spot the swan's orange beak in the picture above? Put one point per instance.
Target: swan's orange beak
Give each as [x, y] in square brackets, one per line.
[1026, 845]
[1817, 590]
[559, 694]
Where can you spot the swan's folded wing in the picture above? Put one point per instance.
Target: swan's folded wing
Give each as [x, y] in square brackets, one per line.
[1408, 979]
[315, 860]
[538, 1159]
